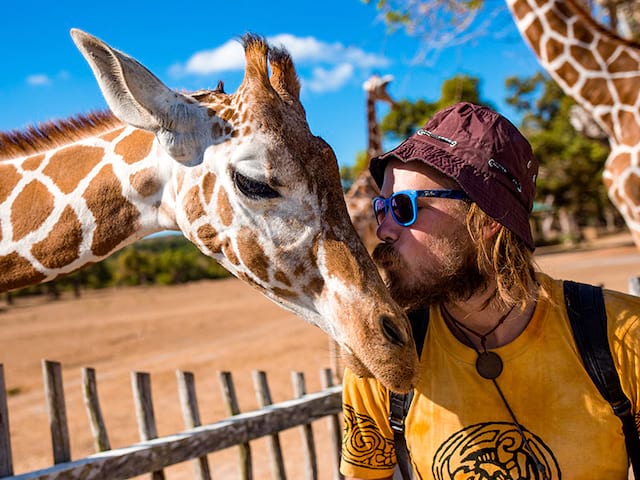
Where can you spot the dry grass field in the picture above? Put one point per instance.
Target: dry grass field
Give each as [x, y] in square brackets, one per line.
[204, 327]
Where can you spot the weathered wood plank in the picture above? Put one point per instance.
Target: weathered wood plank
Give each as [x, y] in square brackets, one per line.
[191, 416]
[94, 412]
[231, 402]
[263, 395]
[308, 441]
[141, 384]
[6, 458]
[57, 411]
[159, 453]
[335, 429]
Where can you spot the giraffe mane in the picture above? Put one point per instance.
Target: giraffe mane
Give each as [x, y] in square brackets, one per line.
[45, 136]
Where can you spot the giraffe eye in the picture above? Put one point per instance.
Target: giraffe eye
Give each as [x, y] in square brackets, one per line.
[253, 188]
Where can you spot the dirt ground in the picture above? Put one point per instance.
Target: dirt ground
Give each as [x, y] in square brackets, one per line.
[204, 327]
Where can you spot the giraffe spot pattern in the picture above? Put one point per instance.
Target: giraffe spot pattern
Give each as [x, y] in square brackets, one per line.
[208, 184]
[631, 131]
[580, 32]
[17, 272]
[252, 255]
[66, 171]
[33, 162]
[135, 147]
[553, 49]
[624, 63]
[62, 245]
[111, 136]
[282, 277]
[145, 182]
[10, 178]
[627, 90]
[225, 211]
[229, 253]
[209, 238]
[569, 74]
[600, 93]
[586, 58]
[31, 208]
[116, 218]
[559, 24]
[192, 205]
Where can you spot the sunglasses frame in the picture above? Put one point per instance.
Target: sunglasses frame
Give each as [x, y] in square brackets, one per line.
[413, 196]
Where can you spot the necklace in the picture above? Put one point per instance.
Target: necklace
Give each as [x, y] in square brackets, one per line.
[488, 364]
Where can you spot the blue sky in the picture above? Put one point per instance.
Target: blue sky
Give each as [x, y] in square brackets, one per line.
[336, 45]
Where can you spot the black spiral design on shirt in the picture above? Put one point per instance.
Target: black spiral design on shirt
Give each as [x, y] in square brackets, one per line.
[363, 444]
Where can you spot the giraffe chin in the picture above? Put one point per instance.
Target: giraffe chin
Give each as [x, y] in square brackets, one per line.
[395, 377]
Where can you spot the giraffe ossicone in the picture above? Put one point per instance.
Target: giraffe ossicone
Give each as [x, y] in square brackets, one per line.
[240, 175]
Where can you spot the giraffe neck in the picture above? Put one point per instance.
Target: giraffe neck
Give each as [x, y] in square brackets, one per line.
[76, 204]
[374, 140]
[600, 71]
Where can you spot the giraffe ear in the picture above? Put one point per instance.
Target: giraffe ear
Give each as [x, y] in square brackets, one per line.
[136, 96]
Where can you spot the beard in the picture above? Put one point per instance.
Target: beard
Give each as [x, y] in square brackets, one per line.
[456, 278]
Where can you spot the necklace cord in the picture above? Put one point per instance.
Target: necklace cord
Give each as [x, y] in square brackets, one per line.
[483, 341]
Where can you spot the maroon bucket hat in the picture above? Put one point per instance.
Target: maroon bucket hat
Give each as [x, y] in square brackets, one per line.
[484, 153]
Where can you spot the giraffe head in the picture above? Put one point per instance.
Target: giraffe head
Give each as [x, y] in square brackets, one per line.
[251, 186]
[376, 88]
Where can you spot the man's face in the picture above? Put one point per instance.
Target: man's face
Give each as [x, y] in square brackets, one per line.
[434, 259]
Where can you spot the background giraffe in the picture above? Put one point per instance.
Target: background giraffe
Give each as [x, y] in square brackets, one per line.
[601, 72]
[359, 195]
[239, 175]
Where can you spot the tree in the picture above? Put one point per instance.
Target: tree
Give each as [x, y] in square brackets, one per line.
[445, 23]
[570, 163]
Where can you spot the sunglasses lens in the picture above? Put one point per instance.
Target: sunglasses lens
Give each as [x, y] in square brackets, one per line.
[378, 209]
[402, 208]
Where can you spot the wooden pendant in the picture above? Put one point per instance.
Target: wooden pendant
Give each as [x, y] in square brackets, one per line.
[489, 365]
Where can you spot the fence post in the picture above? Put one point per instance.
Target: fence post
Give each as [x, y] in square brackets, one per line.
[335, 432]
[92, 404]
[308, 442]
[231, 402]
[191, 416]
[6, 465]
[263, 395]
[141, 384]
[54, 392]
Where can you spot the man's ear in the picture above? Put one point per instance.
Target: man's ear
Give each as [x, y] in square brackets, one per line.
[490, 229]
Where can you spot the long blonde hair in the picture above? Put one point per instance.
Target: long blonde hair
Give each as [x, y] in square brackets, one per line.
[506, 257]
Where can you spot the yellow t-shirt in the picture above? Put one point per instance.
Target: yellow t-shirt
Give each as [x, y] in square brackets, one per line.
[459, 428]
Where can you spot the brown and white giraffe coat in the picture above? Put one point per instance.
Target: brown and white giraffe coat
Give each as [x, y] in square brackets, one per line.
[240, 175]
[601, 72]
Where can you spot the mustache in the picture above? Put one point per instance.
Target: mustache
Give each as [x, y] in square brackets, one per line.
[385, 256]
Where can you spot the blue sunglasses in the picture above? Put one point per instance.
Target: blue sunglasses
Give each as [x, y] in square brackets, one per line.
[403, 206]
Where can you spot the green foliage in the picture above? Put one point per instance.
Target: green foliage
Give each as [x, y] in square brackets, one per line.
[404, 120]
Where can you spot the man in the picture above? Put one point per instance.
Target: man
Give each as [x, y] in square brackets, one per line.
[503, 393]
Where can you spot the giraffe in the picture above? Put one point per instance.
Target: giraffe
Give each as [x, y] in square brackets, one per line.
[359, 195]
[240, 175]
[601, 72]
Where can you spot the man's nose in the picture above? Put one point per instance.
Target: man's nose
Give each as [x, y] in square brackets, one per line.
[387, 231]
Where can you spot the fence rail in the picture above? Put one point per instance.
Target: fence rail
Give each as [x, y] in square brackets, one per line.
[152, 454]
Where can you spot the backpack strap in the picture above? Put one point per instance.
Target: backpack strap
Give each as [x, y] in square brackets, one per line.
[588, 317]
[399, 403]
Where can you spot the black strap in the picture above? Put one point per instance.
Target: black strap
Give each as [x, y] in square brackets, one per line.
[586, 309]
[400, 402]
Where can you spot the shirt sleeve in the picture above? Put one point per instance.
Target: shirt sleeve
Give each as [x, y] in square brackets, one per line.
[367, 444]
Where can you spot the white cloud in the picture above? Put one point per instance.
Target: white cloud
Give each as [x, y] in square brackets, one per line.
[38, 79]
[227, 57]
[329, 80]
[331, 64]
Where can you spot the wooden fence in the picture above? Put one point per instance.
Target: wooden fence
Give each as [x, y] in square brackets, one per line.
[152, 454]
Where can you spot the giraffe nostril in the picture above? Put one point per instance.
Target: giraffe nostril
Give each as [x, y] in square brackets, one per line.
[391, 331]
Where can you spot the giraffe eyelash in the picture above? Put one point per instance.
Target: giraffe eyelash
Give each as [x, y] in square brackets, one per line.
[253, 188]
